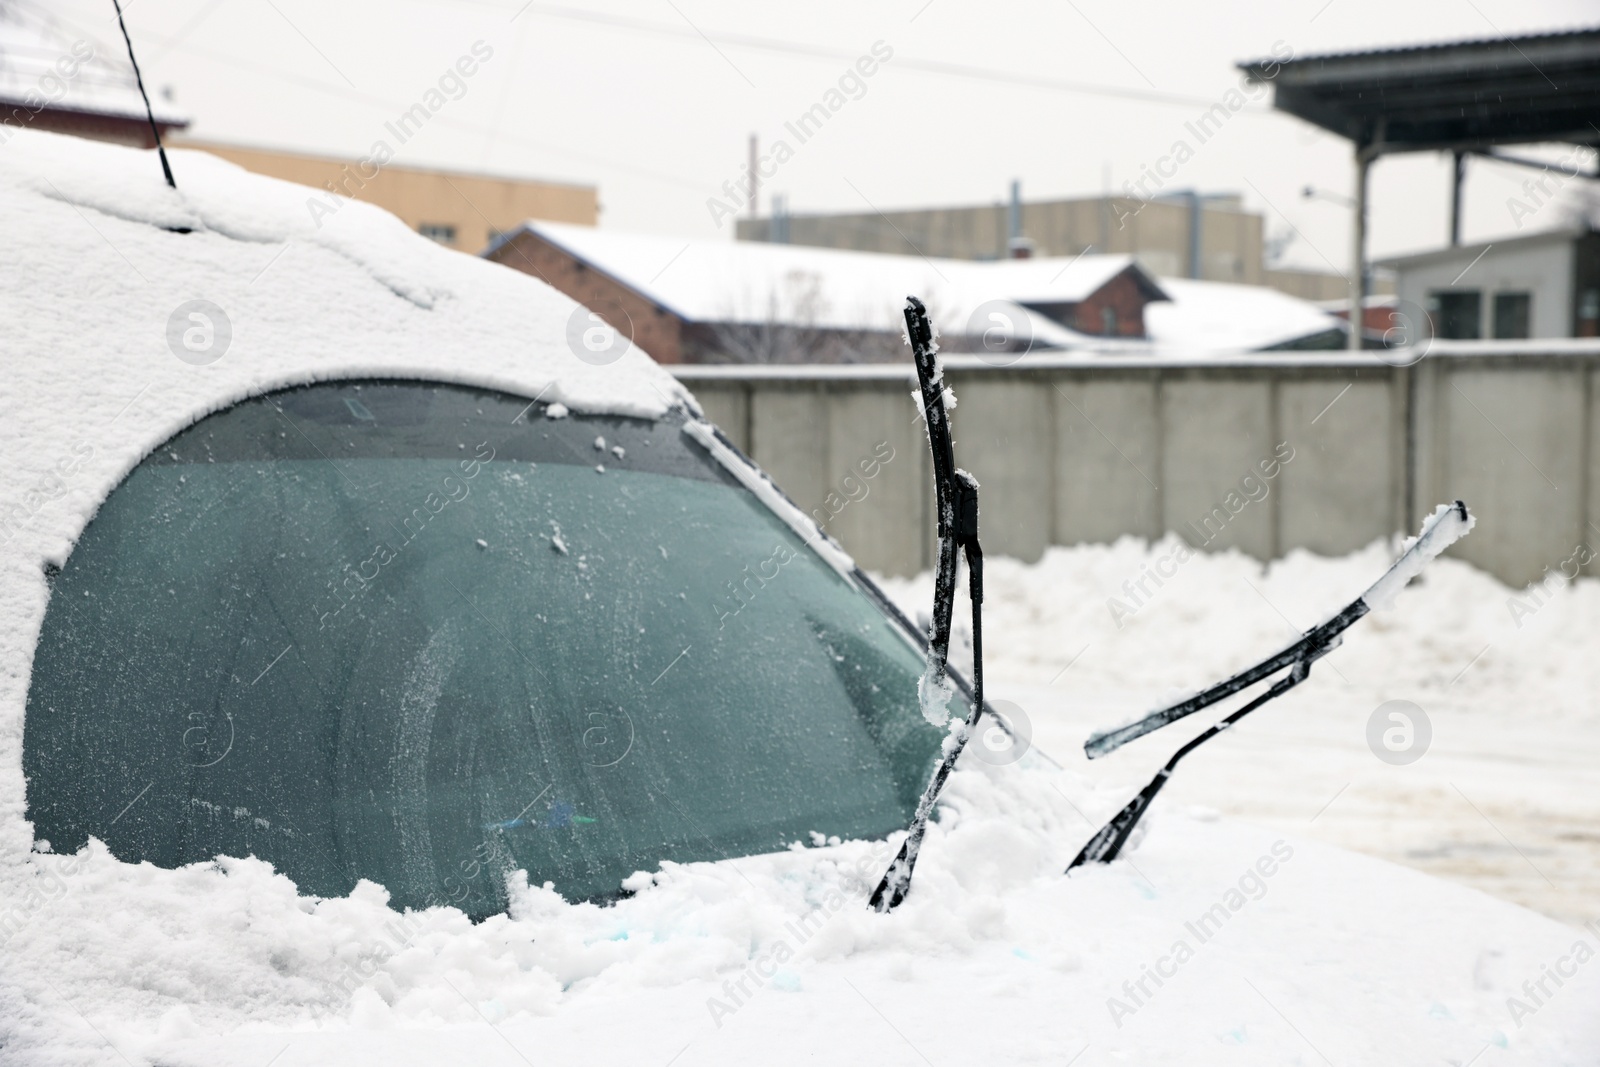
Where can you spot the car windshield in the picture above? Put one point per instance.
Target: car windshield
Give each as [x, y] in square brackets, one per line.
[429, 635]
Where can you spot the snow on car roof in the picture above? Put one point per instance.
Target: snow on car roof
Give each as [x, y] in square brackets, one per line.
[95, 344]
[302, 286]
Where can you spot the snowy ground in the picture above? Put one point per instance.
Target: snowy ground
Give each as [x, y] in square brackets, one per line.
[1320, 955]
[1219, 941]
[1506, 797]
[1247, 938]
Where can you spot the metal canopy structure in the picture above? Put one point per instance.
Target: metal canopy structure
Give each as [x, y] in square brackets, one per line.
[1465, 98]
[1474, 94]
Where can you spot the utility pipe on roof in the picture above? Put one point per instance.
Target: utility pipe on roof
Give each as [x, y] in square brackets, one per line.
[1196, 221]
[755, 177]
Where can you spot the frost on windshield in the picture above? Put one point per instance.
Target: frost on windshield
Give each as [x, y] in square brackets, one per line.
[429, 647]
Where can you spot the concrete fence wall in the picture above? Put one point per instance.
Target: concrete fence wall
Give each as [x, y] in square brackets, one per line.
[1324, 452]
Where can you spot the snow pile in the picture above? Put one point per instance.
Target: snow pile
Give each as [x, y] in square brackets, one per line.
[309, 291]
[225, 964]
[739, 960]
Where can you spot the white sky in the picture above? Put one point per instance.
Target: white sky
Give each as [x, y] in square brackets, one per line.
[655, 103]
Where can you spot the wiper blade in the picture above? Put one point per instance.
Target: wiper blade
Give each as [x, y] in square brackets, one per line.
[1448, 524]
[956, 493]
[1443, 528]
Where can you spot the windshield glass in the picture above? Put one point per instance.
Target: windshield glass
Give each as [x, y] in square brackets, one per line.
[427, 635]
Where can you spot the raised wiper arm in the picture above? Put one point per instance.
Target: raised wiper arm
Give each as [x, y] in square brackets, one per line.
[1448, 524]
[956, 493]
[1444, 527]
[1313, 645]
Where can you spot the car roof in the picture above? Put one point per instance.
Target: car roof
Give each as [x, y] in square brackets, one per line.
[98, 269]
[314, 286]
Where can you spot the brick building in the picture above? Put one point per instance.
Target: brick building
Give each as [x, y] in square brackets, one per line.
[749, 302]
[53, 79]
[719, 301]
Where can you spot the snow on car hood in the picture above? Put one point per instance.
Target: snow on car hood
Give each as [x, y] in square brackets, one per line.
[995, 957]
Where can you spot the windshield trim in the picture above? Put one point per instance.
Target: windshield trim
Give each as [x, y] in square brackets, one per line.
[753, 478]
[760, 485]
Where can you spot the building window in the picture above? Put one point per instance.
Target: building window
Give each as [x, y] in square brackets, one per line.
[1511, 315]
[1457, 316]
[1108, 321]
[1589, 313]
[441, 232]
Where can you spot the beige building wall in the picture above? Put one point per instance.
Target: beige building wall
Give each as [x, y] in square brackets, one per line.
[461, 211]
[1155, 231]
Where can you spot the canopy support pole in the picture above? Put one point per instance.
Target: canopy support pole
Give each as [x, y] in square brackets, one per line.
[1358, 248]
[1456, 176]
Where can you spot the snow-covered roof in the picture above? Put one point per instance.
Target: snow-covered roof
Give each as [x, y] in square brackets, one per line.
[754, 282]
[1226, 317]
[44, 61]
[1446, 253]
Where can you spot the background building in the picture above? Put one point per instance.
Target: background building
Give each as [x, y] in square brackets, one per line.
[750, 302]
[1543, 286]
[462, 211]
[53, 80]
[1210, 237]
[1469, 98]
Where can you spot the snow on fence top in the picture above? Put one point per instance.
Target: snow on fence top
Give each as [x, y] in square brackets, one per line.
[1112, 362]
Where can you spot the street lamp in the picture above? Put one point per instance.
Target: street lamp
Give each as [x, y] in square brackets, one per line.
[1311, 192]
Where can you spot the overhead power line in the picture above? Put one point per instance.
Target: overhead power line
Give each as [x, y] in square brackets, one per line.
[771, 44]
[394, 106]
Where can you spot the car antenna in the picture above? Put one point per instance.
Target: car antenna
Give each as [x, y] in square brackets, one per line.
[155, 131]
[1447, 525]
[956, 492]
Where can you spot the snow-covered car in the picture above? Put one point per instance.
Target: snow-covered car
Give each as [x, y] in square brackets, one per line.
[385, 679]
